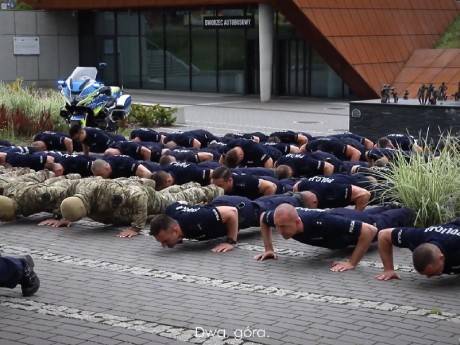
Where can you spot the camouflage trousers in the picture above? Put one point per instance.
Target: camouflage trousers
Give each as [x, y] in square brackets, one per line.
[18, 176]
[192, 196]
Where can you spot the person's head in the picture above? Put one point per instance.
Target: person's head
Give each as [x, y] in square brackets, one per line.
[76, 132]
[310, 200]
[40, 145]
[166, 159]
[112, 152]
[234, 157]
[384, 142]
[283, 171]
[73, 209]
[428, 260]
[171, 145]
[162, 180]
[57, 169]
[287, 221]
[382, 162]
[166, 230]
[222, 177]
[101, 168]
[7, 209]
[274, 139]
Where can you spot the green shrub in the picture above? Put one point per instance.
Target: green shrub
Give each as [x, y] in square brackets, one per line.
[427, 184]
[151, 116]
[23, 6]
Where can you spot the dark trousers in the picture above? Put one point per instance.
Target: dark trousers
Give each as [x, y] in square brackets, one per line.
[11, 271]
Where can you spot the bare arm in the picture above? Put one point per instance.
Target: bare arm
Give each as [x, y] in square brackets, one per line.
[353, 154]
[146, 153]
[328, 169]
[267, 187]
[196, 144]
[268, 243]
[359, 197]
[68, 143]
[385, 246]
[229, 216]
[85, 149]
[142, 171]
[269, 163]
[365, 238]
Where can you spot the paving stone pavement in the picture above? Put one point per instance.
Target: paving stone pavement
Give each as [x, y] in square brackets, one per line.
[100, 289]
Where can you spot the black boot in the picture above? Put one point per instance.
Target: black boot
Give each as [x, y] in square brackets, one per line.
[30, 282]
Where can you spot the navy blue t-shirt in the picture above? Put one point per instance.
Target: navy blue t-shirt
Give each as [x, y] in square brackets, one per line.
[286, 137]
[184, 154]
[402, 141]
[97, 139]
[331, 145]
[255, 171]
[283, 148]
[302, 164]
[270, 202]
[76, 164]
[145, 134]
[180, 138]
[322, 229]
[17, 149]
[197, 222]
[122, 166]
[35, 161]
[128, 148]
[330, 193]
[248, 212]
[246, 185]
[188, 172]
[255, 155]
[52, 140]
[445, 236]
[155, 149]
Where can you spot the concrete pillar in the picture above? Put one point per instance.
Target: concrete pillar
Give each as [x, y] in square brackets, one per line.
[265, 50]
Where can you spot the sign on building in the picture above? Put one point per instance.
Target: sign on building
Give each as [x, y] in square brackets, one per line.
[240, 22]
[26, 46]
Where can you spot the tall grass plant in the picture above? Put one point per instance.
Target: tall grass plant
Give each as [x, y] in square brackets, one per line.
[427, 183]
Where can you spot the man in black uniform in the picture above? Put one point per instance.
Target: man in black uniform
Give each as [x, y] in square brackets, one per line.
[249, 186]
[333, 145]
[332, 229]
[290, 137]
[93, 139]
[36, 161]
[119, 166]
[246, 153]
[55, 141]
[224, 215]
[436, 249]
[146, 134]
[72, 164]
[330, 192]
[180, 173]
[303, 165]
[133, 149]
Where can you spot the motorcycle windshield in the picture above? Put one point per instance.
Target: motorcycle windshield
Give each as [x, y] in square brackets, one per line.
[82, 73]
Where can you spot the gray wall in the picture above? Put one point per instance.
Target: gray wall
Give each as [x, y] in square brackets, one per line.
[59, 53]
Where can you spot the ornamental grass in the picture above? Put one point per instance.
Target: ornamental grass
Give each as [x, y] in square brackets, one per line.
[429, 183]
[25, 111]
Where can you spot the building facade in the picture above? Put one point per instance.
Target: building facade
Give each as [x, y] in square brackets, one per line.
[317, 48]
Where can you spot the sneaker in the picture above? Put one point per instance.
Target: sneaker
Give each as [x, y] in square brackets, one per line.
[30, 282]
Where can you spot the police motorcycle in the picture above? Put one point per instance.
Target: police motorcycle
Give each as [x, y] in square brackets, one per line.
[91, 103]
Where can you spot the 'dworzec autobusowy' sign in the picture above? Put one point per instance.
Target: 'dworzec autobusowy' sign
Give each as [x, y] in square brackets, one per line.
[242, 22]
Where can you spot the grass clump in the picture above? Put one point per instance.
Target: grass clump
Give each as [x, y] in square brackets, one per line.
[151, 116]
[451, 38]
[25, 111]
[428, 183]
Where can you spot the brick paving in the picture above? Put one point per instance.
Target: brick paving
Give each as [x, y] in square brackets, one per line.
[100, 289]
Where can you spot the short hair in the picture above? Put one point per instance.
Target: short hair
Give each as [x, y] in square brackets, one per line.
[161, 222]
[274, 139]
[383, 142]
[221, 172]
[231, 158]
[166, 159]
[170, 145]
[161, 178]
[74, 129]
[98, 164]
[283, 171]
[423, 256]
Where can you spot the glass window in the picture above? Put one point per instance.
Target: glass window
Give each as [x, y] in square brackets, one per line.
[319, 76]
[105, 23]
[128, 23]
[204, 53]
[152, 50]
[128, 61]
[177, 50]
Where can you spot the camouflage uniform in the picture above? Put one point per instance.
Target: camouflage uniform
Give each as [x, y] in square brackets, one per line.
[126, 202]
[17, 176]
[32, 197]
